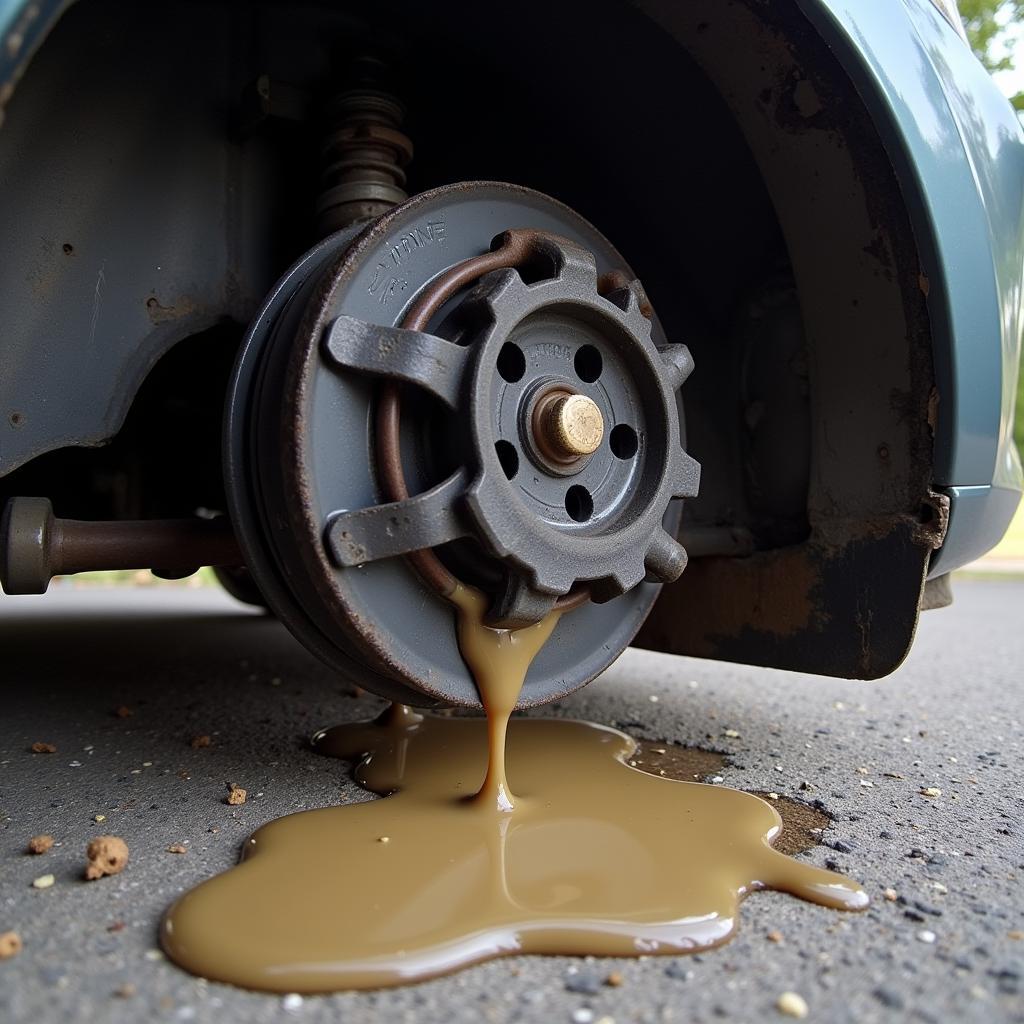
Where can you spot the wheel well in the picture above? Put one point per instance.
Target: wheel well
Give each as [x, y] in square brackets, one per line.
[719, 145]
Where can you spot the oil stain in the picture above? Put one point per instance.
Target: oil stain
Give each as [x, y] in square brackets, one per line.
[802, 823]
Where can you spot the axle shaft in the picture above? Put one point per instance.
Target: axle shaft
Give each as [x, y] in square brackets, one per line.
[35, 545]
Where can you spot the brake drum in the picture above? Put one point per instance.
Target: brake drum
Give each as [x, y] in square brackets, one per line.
[472, 387]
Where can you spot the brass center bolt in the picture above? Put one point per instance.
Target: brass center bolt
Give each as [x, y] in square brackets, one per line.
[567, 426]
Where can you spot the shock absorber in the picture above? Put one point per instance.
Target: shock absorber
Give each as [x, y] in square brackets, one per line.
[365, 151]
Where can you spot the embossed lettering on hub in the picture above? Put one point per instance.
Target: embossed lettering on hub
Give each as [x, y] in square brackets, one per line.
[388, 281]
[550, 350]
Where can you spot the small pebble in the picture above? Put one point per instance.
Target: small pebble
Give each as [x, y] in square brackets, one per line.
[125, 991]
[153, 955]
[40, 844]
[677, 971]
[198, 742]
[43, 882]
[774, 936]
[887, 997]
[584, 983]
[107, 855]
[99, 817]
[383, 839]
[732, 734]
[614, 980]
[123, 712]
[10, 945]
[236, 795]
[582, 1016]
[931, 791]
[792, 1005]
[926, 936]
[292, 1002]
[43, 748]
[177, 848]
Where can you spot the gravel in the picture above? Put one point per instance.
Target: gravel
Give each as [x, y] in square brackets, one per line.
[121, 682]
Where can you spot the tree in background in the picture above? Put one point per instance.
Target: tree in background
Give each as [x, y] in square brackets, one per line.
[985, 22]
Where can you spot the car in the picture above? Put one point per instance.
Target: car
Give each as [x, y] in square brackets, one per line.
[697, 323]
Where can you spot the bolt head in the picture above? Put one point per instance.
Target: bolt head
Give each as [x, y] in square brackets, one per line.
[570, 426]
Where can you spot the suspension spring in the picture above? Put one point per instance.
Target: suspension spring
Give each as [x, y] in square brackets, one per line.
[364, 153]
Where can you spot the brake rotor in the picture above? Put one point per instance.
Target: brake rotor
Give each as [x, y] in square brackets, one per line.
[534, 448]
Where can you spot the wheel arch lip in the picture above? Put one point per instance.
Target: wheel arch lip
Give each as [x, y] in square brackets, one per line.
[957, 149]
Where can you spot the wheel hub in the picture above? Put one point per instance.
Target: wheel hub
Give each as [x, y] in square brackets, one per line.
[422, 404]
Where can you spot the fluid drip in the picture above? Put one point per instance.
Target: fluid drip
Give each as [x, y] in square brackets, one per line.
[555, 845]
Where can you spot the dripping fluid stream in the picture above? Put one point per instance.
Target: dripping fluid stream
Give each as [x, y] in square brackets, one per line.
[555, 845]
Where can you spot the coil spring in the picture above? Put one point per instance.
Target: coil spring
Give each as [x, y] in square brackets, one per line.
[364, 154]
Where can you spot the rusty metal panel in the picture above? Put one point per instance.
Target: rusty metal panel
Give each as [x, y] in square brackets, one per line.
[844, 602]
[848, 610]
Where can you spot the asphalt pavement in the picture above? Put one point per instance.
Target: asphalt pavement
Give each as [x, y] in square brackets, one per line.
[122, 682]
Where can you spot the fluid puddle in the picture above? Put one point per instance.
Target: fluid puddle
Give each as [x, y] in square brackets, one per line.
[589, 856]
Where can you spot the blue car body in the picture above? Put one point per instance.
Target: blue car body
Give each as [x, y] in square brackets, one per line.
[958, 150]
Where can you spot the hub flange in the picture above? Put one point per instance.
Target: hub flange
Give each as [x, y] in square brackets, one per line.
[540, 451]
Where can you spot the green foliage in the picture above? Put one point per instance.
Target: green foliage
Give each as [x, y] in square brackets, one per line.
[985, 21]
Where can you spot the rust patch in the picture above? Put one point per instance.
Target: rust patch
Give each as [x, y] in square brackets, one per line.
[775, 591]
[805, 99]
[160, 314]
[933, 409]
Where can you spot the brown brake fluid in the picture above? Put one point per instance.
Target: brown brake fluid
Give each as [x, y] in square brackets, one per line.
[556, 845]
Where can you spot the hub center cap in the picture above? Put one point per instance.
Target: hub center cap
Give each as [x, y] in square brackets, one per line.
[567, 426]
